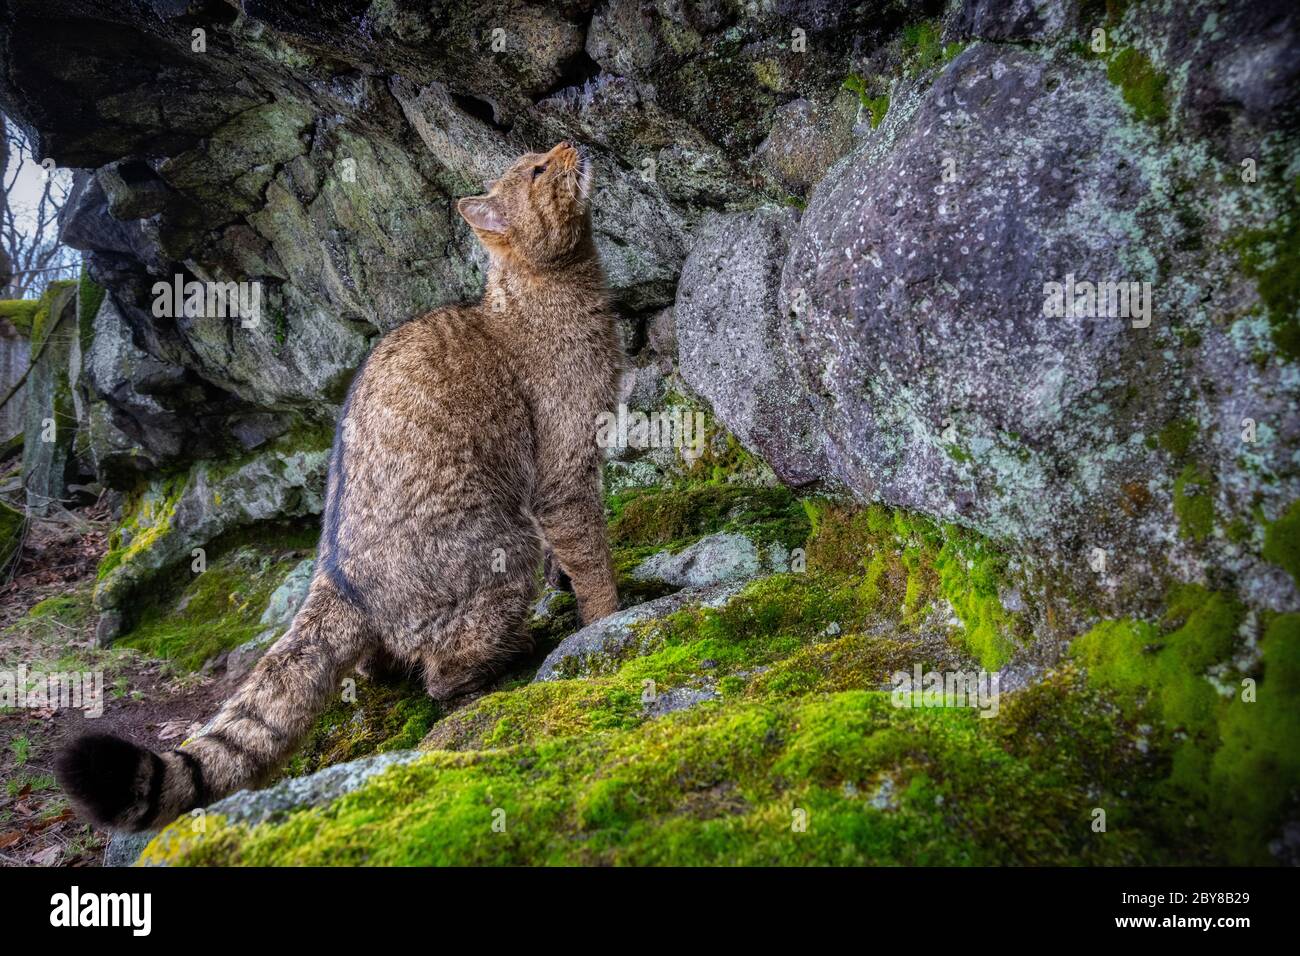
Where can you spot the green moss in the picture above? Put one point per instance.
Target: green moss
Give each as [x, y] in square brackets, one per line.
[21, 313]
[799, 726]
[1194, 502]
[377, 718]
[12, 525]
[724, 783]
[1282, 542]
[908, 561]
[1271, 256]
[215, 610]
[41, 317]
[921, 46]
[1256, 771]
[1233, 766]
[146, 516]
[1140, 83]
[90, 295]
[1177, 436]
[953, 50]
[71, 610]
[877, 106]
[667, 516]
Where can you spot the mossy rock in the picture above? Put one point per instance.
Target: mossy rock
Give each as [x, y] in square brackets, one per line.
[194, 616]
[12, 524]
[20, 313]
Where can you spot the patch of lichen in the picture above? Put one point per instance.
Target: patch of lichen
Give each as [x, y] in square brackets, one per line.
[194, 618]
[731, 783]
[146, 516]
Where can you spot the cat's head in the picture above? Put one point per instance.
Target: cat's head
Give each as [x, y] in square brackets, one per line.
[537, 213]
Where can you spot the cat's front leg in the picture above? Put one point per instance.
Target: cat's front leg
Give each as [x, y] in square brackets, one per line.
[574, 526]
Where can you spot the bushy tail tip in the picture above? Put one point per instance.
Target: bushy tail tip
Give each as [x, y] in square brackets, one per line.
[114, 783]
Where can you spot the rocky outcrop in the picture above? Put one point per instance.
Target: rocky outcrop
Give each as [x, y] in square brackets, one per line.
[167, 520]
[50, 419]
[879, 247]
[920, 330]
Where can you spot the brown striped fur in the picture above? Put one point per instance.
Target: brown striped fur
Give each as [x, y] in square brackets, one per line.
[467, 439]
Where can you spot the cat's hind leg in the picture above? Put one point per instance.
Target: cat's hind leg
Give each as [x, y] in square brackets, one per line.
[479, 641]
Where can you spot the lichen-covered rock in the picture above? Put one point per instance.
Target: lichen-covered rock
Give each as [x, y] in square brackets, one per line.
[51, 418]
[729, 348]
[714, 559]
[837, 225]
[280, 610]
[252, 807]
[167, 520]
[617, 635]
[807, 138]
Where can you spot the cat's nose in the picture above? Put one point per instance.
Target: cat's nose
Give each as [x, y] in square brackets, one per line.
[566, 152]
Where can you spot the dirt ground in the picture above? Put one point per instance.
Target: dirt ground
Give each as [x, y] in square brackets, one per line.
[145, 700]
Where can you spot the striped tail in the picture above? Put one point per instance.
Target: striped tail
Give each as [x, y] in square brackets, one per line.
[119, 786]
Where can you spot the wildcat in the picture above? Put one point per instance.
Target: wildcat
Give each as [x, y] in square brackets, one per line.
[467, 438]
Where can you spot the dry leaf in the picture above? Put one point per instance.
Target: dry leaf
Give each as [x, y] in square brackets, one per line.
[47, 857]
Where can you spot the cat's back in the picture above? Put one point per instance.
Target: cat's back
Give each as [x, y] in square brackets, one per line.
[438, 390]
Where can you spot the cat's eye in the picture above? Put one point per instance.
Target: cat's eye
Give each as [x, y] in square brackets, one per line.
[538, 170]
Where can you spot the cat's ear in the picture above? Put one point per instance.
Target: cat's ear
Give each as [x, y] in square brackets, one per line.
[483, 213]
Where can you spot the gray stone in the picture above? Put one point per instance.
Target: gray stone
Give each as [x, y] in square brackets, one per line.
[614, 637]
[251, 807]
[281, 607]
[259, 806]
[170, 523]
[50, 413]
[679, 698]
[729, 349]
[123, 849]
[288, 597]
[807, 139]
[715, 559]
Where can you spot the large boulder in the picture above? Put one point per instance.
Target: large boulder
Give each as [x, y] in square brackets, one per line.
[729, 348]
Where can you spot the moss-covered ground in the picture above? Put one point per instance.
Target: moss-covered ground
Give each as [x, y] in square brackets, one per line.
[1150, 742]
